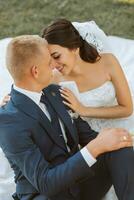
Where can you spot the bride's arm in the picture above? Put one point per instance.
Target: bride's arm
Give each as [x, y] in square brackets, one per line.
[125, 105]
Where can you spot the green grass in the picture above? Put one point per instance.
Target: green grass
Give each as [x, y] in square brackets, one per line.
[115, 17]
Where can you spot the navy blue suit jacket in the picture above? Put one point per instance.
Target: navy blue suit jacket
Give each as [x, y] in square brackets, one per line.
[37, 153]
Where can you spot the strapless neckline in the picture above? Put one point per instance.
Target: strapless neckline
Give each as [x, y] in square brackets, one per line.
[95, 89]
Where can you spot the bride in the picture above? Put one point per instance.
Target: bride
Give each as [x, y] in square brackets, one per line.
[98, 93]
[86, 64]
[84, 58]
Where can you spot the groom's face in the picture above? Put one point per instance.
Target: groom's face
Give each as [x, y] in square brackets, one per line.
[42, 70]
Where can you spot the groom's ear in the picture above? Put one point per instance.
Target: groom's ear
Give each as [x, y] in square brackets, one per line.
[34, 71]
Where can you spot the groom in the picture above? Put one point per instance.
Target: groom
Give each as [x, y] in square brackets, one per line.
[40, 140]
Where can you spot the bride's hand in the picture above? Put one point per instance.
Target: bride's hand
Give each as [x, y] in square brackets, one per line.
[72, 102]
[5, 100]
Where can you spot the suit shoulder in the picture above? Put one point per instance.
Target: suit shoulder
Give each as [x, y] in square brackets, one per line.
[9, 114]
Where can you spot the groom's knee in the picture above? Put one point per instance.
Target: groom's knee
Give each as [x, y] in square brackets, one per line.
[122, 157]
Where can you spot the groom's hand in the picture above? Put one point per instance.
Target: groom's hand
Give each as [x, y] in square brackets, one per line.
[109, 140]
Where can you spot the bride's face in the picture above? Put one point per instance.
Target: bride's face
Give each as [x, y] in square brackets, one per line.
[63, 59]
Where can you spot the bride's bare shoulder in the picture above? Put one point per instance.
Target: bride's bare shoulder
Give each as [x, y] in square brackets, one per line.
[57, 77]
[111, 65]
[108, 57]
[109, 60]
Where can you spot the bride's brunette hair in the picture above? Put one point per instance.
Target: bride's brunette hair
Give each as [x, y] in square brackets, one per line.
[63, 33]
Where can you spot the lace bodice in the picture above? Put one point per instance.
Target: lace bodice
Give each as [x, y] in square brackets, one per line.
[101, 96]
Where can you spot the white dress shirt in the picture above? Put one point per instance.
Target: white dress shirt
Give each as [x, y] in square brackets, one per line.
[35, 96]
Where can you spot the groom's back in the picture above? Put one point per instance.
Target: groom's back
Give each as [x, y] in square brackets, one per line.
[13, 123]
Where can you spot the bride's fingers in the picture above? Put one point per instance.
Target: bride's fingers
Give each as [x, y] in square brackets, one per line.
[66, 92]
[2, 104]
[6, 98]
[66, 98]
[67, 104]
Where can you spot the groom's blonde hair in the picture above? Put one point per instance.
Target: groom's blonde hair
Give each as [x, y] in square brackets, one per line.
[22, 53]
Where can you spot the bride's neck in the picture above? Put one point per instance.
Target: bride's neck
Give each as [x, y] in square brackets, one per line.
[79, 68]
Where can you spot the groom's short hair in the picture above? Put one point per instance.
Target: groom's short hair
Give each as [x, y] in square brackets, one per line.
[22, 51]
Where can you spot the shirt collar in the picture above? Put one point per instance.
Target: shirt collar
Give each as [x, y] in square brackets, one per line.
[34, 96]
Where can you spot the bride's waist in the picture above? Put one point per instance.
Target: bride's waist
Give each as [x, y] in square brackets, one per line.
[98, 124]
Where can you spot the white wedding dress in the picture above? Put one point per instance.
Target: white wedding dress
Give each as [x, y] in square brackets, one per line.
[101, 96]
[105, 96]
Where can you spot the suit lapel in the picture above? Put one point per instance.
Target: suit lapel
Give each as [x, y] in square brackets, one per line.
[56, 101]
[27, 106]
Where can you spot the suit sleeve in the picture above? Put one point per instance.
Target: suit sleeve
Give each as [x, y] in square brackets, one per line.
[48, 180]
[86, 134]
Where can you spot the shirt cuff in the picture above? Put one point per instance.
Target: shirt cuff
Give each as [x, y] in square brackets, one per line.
[90, 160]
